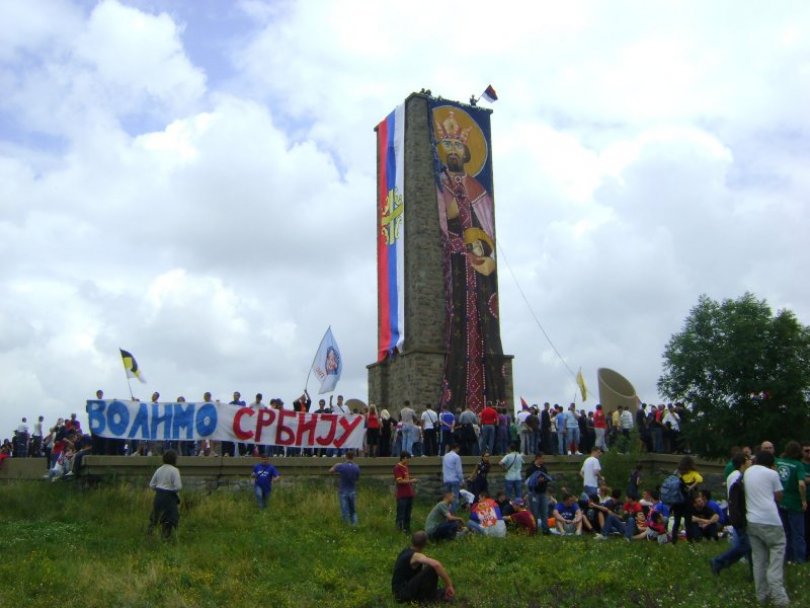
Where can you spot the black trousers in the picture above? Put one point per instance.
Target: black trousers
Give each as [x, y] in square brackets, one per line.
[423, 586]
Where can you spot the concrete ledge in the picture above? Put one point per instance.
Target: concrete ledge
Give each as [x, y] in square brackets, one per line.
[235, 468]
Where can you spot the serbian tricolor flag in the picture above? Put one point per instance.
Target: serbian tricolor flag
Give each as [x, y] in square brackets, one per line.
[391, 233]
[489, 94]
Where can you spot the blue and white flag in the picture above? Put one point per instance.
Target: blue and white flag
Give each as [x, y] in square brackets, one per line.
[328, 364]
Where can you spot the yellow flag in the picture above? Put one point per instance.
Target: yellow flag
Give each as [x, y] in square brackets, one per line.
[581, 383]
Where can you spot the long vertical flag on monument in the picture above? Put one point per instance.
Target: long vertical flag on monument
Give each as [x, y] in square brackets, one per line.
[131, 366]
[391, 232]
[328, 364]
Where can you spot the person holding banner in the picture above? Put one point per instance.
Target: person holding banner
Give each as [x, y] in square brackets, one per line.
[167, 484]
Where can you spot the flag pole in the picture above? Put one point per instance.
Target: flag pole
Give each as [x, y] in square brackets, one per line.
[309, 373]
[129, 384]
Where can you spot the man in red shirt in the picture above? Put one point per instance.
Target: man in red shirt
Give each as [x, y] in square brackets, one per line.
[522, 518]
[600, 427]
[489, 424]
[404, 492]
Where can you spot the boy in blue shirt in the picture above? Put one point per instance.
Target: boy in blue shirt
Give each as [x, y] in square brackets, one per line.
[263, 475]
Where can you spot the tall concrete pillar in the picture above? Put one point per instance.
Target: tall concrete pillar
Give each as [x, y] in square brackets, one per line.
[418, 371]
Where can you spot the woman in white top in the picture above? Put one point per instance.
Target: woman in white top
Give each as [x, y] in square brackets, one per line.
[167, 484]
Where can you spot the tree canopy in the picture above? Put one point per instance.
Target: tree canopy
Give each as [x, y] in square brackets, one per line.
[743, 372]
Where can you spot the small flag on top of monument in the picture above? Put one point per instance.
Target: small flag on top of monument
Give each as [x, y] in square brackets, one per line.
[489, 94]
[328, 364]
[131, 366]
[581, 384]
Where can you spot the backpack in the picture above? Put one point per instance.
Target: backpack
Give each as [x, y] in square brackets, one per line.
[672, 491]
[736, 504]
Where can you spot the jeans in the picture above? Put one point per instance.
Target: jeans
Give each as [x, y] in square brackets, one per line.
[600, 439]
[793, 523]
[348, 512]
[525, 442]
[408, 437]
[404, 507]
[572, 438]
[768, 553]
[538, 505]
[512, 488]
[445, 531]
[488, 438]
[614, 524]
[740, 547]
[561, 442]
[455, 488]
[262, 496]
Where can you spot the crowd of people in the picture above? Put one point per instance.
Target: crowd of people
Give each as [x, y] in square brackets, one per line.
[764, 512]
[428, 431]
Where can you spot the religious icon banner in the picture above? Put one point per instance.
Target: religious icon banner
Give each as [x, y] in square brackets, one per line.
[391, 232]
[474, 367]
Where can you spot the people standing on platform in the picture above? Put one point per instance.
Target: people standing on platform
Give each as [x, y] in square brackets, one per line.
[489, 425]
[448, 427]
[467, 437]
[373, 425]
[387, 425]
[167, 484]
[430, 422]
[228, 448]
[407, 416]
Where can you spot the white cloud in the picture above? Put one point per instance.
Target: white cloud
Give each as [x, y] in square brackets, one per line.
[642, 157]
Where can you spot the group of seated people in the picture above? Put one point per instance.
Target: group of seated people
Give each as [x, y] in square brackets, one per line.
[604, 515]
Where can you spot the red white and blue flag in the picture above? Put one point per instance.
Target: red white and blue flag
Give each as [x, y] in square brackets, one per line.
[391, 232]
[489, 94]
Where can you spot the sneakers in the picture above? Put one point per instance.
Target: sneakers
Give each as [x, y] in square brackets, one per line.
[600, 537]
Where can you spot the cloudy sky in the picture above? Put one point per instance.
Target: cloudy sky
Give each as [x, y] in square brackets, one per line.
[194, 181]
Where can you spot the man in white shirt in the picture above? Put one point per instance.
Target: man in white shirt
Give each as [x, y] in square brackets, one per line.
[763, 490]
[430, 420]
[409, 431]
[591, 472]
[452, 473]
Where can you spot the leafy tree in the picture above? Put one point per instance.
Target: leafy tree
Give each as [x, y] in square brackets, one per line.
[743, 372]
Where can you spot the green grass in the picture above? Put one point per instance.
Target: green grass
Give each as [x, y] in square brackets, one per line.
[65, 547]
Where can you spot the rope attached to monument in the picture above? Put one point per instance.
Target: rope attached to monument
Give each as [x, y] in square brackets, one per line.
[502, 254]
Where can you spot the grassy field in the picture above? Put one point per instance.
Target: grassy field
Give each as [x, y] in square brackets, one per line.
[64, 547]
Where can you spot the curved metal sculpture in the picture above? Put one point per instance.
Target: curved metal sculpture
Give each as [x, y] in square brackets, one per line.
[615, 390]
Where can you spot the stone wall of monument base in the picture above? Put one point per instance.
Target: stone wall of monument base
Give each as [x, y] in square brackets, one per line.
[416, 377]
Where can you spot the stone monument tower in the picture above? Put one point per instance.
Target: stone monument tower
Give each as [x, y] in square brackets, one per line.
[438, 316]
